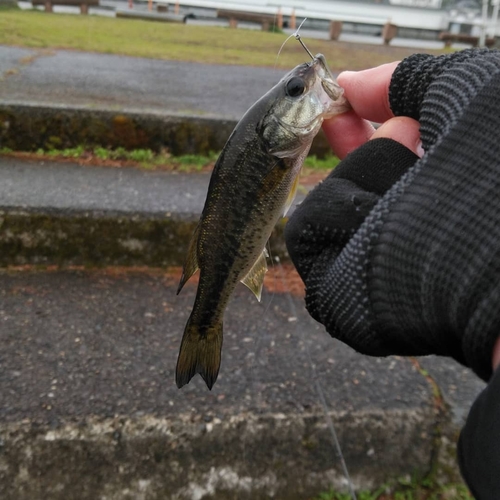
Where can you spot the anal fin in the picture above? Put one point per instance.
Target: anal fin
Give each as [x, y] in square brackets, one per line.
[254, 280]
[191, 262]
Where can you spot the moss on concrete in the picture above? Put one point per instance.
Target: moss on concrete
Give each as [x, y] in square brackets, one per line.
[98, 239]
[91, 239]
[239, 457]
[29, 128]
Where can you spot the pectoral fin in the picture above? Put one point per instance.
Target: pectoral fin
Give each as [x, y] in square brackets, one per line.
[191, 262]
[291, 195]
[255, 277]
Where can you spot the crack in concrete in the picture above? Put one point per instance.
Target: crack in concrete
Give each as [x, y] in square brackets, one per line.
[438, 399]
[443, 465]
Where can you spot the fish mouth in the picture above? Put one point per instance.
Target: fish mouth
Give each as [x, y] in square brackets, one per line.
[321, 60]
[329, 83]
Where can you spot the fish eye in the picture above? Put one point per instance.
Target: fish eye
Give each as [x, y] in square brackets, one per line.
[295, 86]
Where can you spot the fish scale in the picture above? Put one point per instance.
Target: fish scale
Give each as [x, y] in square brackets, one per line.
[252, 185]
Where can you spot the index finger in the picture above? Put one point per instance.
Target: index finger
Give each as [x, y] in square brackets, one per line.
[368, 91]
[347, 132]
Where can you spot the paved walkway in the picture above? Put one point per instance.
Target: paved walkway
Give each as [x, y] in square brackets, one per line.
[91, 80]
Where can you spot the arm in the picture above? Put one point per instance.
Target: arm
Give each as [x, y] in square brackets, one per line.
[400, 250]
[388, 255]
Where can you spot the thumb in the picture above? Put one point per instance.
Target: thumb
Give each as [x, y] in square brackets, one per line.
[404, 130]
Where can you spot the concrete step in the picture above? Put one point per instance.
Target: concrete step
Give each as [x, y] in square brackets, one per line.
[64, 213]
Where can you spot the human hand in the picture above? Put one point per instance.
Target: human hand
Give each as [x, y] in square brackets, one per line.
[368, 93]
[398, 253]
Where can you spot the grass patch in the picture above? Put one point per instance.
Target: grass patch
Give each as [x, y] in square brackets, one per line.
[183, 42]
[327, 163]
[143, 158]
[407, 489]
[6, 7]
[148, 159]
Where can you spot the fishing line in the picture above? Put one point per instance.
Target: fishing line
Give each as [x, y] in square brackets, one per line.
[267, 307]
[272, 265]
[277, 266]
[297, 37]
[267, 304]
[252, 381]
[321, 396]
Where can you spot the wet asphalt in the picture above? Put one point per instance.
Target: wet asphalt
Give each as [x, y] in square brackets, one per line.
[72, 187]
[106, 342]
[91, 80]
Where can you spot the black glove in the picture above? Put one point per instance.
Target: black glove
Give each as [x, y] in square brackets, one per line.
[479, 444]
[413, 267]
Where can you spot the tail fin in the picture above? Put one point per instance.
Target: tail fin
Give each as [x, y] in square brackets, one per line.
[200, 352]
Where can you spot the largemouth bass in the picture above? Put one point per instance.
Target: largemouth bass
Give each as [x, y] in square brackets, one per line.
[252, 185]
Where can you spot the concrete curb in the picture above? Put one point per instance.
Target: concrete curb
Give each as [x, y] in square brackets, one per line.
[244, 457]
[98, 238]
[63, 213]
[28, 127]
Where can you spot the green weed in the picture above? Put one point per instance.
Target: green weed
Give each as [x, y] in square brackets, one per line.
[406, 489]
[4, 8]
[327, 163]
[146, 158]
[73, 152]
[361, 495]
[142, 155]
[102, 153]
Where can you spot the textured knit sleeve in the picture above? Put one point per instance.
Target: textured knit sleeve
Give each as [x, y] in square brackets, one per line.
[437, 90]
[422, 273]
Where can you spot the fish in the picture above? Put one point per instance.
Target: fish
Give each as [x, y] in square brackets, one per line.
[252, 186]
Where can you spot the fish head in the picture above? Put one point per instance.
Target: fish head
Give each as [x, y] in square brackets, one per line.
[303, 99]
